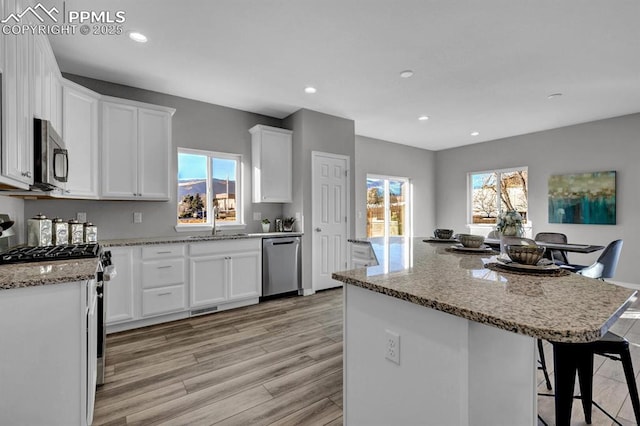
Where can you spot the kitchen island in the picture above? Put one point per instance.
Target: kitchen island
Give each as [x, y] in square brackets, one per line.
[434, 337]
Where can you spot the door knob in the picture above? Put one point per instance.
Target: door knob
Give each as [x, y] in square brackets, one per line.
[318, 229]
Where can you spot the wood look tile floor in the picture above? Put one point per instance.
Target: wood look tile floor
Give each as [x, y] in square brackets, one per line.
[276, 363]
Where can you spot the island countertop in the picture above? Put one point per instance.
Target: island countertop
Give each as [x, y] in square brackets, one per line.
[567, 308]
[18, 275]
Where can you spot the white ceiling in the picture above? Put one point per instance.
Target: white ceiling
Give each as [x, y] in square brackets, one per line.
[485, 66]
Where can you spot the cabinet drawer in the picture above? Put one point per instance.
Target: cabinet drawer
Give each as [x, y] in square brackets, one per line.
[160, 273]
[162, 251]
[225, 247]
[162, 300]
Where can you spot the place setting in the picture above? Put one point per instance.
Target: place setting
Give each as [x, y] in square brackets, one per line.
[470, 244]
[442, 236]
[525, 260]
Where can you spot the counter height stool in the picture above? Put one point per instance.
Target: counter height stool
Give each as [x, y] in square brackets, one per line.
[570, 358]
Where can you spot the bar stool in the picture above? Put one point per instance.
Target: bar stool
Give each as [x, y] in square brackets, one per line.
[570, 358]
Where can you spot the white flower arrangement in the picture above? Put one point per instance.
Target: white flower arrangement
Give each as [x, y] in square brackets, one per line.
[509, 223]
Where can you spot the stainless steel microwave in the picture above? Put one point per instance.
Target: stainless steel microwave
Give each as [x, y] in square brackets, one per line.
[51, 158]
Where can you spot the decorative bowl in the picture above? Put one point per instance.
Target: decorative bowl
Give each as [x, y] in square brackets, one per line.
[527, 254]
[443, 234]
[470, 240]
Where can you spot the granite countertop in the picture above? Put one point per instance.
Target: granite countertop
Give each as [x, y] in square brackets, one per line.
[181, 239]
[19, 275]
[568, 308]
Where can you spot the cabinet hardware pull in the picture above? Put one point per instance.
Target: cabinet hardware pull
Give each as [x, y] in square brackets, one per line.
[164, 267]
[164, 294]
[163, 252]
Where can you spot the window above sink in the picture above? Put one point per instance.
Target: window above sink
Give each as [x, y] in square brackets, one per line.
[208, 182]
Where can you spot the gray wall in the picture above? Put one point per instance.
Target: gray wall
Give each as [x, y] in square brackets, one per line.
[386, 158]
[314, 131]
[195, 125]
[610, 144]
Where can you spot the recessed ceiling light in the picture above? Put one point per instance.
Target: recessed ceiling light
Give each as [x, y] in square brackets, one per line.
[139, 37]
[310, 89]
[554, 95]
[406, 74]
[423, 118]
[475, 133]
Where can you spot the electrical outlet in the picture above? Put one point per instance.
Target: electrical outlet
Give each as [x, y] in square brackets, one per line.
[137, 217]
[81, 217]
[392, 346]
[257, 215]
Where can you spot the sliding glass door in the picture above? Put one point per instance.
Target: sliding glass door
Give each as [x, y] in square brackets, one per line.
[388, 206]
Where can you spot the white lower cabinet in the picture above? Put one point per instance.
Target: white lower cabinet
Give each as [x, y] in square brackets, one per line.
[163, 280]
[48, 356]
[158, 283]
[120, 291]
[224, 271]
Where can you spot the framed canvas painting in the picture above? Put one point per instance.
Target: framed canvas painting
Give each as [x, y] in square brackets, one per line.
[585, 198]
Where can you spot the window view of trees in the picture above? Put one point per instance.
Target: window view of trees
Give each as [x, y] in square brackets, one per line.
[205, 181]
[498, 191]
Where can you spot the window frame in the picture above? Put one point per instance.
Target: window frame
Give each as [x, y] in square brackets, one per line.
[498, 172]
[239, 223]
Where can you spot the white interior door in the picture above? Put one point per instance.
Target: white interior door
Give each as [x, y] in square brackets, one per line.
[330, 195]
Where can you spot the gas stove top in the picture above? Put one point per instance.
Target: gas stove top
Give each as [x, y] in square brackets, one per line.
[39, 254]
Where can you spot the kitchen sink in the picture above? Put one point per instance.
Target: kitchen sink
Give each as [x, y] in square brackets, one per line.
[209, 237]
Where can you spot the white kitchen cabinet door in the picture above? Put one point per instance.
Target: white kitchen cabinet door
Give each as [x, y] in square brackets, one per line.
[44, 362]
[17, 143]
[136, 143]
[121, 290]
[40, 86]
[55, 98]
[119, 151]
[154, 134]
[244, 279]
[208, 277]
[271, 154]
[80, 128]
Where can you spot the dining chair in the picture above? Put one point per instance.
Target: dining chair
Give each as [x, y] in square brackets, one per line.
[493, 234]
[605, 266]
[572, 358]
[553, 237]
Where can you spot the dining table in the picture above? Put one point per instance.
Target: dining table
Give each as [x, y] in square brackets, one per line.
[572, 248]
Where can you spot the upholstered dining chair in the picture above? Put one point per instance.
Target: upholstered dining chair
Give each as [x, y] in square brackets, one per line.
[553, 237]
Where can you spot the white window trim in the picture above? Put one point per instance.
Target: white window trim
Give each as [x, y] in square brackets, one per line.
[499, 204]
[208, 226]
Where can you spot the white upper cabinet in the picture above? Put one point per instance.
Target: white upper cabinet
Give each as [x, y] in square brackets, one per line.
[136, 143]
[271, 154]
[17, 125]
[80, 129]
[154, 145]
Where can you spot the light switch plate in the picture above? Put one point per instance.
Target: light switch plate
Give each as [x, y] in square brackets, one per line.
[257, 215]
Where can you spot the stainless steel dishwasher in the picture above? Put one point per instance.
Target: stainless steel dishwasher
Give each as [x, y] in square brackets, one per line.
[280, 265]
